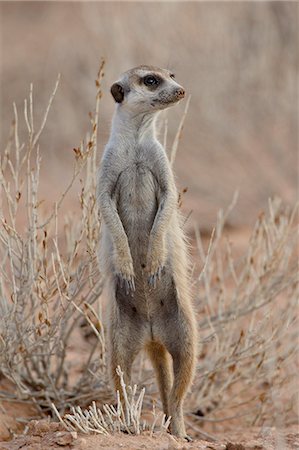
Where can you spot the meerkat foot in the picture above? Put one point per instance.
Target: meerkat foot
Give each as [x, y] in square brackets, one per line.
[181, 435]
[188, 438]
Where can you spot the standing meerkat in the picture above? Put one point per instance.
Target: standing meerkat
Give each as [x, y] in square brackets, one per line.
[143, 250]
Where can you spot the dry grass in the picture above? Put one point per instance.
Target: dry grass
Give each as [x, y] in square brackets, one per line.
[247, 308]
[124, 417]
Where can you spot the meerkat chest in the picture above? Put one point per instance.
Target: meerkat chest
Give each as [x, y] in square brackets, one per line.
[136, 186]
[137, 193]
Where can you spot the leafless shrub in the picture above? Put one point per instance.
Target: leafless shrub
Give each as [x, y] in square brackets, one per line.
[49, 279]
[248, 323]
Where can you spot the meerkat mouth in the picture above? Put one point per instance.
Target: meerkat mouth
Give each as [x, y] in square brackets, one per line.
[164, 101]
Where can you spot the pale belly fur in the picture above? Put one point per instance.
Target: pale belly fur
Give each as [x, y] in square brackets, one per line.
[137, 204]
[137, 195]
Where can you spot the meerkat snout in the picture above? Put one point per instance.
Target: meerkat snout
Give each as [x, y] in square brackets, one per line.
[180, 93]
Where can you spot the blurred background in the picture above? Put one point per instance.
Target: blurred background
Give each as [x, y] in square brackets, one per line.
[238, 61]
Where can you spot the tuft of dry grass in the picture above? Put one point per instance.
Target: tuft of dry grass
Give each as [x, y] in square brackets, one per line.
[124, 417]
[246, 307]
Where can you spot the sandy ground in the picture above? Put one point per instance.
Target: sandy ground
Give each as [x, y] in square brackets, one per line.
[42, 435]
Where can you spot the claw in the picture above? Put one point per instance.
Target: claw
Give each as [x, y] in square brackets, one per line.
[152, 281]
[132, 284]
[129, 287]
[160, 272]
[120, 280]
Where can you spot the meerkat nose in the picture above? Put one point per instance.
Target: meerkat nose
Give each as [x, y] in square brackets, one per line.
[180, 93]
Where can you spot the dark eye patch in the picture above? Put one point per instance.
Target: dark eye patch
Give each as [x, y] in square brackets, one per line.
[172, 75]
[151, 80]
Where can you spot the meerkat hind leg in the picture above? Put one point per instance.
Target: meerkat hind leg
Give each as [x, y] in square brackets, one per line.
[161, 361]
[122, 356]
[175, 328]
[180, 341]
[125, 338]
[183, 356]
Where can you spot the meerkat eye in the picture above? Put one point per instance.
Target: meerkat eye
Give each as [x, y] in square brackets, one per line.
[172, 75]
[150, 80]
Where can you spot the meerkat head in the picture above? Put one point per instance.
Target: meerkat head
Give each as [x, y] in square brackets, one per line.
[147, 88]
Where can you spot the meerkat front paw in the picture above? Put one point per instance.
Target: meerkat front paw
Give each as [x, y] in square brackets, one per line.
[153, 279]
[124, 271]
[155, 263]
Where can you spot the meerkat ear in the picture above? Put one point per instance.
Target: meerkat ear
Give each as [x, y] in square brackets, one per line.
[117, 92]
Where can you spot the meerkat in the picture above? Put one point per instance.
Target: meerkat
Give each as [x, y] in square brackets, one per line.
[143, 249]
